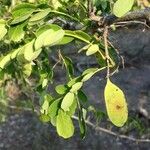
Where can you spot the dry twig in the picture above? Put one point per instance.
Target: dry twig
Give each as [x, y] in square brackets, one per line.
[97, 128]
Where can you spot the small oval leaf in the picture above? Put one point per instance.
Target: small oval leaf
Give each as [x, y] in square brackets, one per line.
[3, 29]
[76, 87]
[40, 15]
[92, 49]
[61, 89]
[64, 125]
[67, 101]
[121, 7]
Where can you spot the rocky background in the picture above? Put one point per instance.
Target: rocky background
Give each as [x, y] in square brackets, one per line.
[23, 130]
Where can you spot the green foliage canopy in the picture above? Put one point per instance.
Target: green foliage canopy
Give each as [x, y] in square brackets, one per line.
[32, 31]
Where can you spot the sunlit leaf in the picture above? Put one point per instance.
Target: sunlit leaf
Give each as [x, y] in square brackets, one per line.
[44, 118]
[64, 125]
[115, 104]
[61, 89]
[46, 27]
[92, 49]
[49, 38]
[87, 76]
[55, 3]
[73, 81]
[80, 35]
[22, 12]
[40, 15]
[45, 104]
[76, 87]
[3, 29]
[44, 83]
[27, 52]
[89, 70]
[121, 7]
[53, 108]
[4, 60]
[72, 108]
[54, 38]
[27, 69]
[14, 53]
[67, 101]
[16, 33]
[66, 40]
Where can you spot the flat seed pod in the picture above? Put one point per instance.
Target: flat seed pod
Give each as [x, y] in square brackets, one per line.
[115, 104]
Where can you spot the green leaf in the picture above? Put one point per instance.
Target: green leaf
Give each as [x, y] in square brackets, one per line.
[44, 83]
[27, 52]
[88, 76]
[67, 101]
[14, 53]
[115, 104]
[53, 108]
[40, 39]
[64, 125]
[64, 15]
[22, 12]
[82, 97]
[82, 124]
[45, 106]
[73, 81]
[18, 8]
[72, 108]
[46, 27]
[40, 15]
[3, 29]
[4, 60]
[16, 33]
[49, 38]
[80, 35]
[66, 40]
[27, 69]
[44, 118]
[89, 73]
[53, 121]
[76, 87]
[54, 38]
[92, 49]
[89, 70]
[61, 89]
[121, 7]
[55, 4]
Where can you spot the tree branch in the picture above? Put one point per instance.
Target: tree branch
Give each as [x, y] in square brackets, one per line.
[134, 15]
[97, 128]
[100, 129]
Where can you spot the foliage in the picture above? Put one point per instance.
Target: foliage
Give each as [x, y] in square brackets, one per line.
[32, 30]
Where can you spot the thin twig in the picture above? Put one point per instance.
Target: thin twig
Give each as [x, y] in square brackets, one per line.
[106, 50]
[91, 125]
[58, 61]
[118, 24]
[113, 133]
